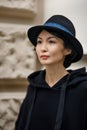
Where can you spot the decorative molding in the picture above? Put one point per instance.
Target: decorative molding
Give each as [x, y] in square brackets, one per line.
[16, 84]
[18, 8]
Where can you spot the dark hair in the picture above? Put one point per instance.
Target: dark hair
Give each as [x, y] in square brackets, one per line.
[68, 60]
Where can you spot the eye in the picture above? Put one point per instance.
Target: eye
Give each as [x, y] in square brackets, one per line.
[52, 41]
[39, 41]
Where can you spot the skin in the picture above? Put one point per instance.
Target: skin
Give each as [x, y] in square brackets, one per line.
[51, 53]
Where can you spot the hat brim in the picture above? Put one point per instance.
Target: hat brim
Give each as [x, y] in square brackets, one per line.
[33, 33]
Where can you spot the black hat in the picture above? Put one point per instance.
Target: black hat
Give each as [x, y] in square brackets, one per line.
[64, 27]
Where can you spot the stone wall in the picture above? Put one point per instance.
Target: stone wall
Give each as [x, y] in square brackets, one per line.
[8, 113]
[16, 53]
[17, 56]
[18, 8]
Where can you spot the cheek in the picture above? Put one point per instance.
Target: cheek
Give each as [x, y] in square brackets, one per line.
[58, 53]
[37, 50]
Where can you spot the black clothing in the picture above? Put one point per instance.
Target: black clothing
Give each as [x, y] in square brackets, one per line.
[62, 107]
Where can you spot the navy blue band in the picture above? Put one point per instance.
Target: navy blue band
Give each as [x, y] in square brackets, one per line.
[58, 26]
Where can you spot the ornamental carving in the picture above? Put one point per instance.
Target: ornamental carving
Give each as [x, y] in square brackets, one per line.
[9, 109]
[16, 53]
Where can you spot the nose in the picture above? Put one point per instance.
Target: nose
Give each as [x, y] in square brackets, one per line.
[44, 47]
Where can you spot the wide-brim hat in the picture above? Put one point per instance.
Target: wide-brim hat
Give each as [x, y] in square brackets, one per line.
[64, 27]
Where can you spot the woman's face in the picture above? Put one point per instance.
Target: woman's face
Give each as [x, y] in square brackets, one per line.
[50, 49]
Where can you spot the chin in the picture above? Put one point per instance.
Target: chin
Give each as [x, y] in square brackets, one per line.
[45, 63]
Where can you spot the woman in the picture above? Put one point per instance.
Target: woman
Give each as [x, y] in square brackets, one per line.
[56, 98]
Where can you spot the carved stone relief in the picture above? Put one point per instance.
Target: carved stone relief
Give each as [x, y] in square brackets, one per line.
[16, 53]
[9, 109]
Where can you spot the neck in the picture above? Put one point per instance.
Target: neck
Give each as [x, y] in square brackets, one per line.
[54, 74]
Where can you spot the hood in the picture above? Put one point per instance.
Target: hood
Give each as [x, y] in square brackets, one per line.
[36, 79]
[77, 76]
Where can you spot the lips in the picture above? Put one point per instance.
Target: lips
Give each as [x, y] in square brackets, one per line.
[44, 57]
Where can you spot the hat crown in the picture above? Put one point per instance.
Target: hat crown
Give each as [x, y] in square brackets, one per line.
[63, 21]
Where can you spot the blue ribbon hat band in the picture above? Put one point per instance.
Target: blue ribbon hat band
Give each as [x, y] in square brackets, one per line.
[58, 26]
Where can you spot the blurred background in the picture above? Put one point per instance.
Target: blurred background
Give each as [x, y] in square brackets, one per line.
[17, 55]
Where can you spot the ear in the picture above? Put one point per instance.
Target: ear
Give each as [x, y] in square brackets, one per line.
[68, 51]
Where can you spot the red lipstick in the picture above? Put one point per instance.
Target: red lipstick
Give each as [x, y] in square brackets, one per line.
[44, 57]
